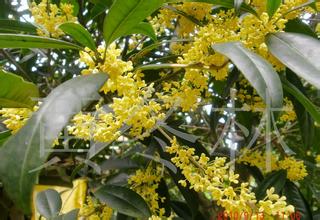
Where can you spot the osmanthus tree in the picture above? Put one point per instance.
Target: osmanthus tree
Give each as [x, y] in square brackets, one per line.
[154, 109]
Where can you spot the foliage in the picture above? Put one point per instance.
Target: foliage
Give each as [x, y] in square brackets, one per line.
[191, 109]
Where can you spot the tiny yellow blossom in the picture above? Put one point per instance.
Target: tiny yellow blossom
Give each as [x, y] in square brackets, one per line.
[49, 16]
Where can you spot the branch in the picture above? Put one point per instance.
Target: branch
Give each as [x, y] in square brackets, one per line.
[17, 65]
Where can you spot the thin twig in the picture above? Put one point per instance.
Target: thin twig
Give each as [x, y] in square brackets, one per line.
[17, 65]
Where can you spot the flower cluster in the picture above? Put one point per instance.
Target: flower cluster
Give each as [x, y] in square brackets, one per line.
[93, 210]
[296, 170]
[15, 118]
[217, 180]
[49, 16]
[145, 183]
[168, 18]
[249, 98]
[289, 114]
[134, 95]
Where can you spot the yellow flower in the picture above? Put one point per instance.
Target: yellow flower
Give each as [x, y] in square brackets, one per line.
[318, 160]
[215, 178]
[15, 118]
[49, 16]
[289, 115]
[296, 170]
[145, 183]
[94, 210]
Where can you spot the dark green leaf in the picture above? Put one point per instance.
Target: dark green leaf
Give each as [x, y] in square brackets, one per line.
[307, 126]
[272, 6]
[298, 26]
[31, 146]
[145, 29]
[4, 135]
[29, 41]
[15, 92]
[17, 26]
[181, 209]
[123, 200]
[48, 203]
[295, 198]
[123, 16]
[258, 72]
[275, 179]
[112, 164]
[166, 163]
[309, 106]
[79, 34]
[298, 52]
[100, 6]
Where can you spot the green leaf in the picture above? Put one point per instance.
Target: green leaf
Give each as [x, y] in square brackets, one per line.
[15, 92]
[258, 72]
[29, 41]
[295, 198]
[4, 135]
[117, 163]
[72, 215]
[145, 29]
[298, 52]
[123, 200]
[16, 26]
[272, 6]
[309, 132]
[31, 146]
[79, 34]
[99, 7]
[48, 203]
[309, 106]
[275, 179]
[298, 26]
[123, 16]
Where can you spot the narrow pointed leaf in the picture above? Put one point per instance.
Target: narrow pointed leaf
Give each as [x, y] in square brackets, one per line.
[313, 110]
[4, 135]
[299, 52]
[123, 200]
[48, 203]
[30, 146]
[276, 179]
[295, 198]
[79, 34]
[99, 7]
[272, 6]
[16, 26]
[258, 71]
[15, 92]
[298, 26]
[144, 28]
[123, 16]
[30, 41]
